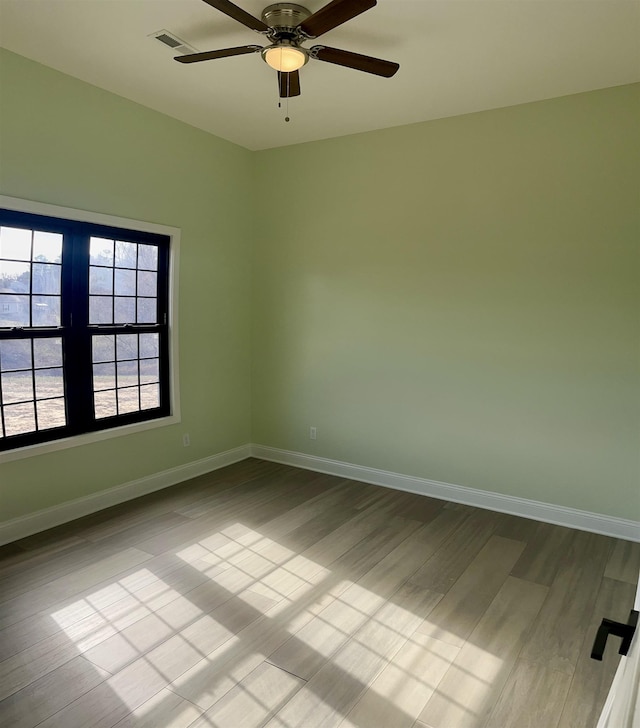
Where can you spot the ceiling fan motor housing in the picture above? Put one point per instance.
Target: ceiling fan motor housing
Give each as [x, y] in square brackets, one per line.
[285, 17]
[283, 20]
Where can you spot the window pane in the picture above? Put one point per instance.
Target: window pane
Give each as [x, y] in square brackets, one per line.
[127, 346]
[15, 354]
[14, 310]
[149, 371]
[149, 396]
[127, 373]
[17, 387]
[19, 418]
[15, 243]
[126, 254]
[125, 310]
[47, 247]
[51, 413]
[101, 251]
[100, 310]
[45, 310]
[128, 400]
[14, 277]
[49, 383]
[147, 283]
[47, 352]
[104, 348]
[105, 404]
[46, 278]
[104, 376]
[100, 280]
[125, 282]
[149, 345]
[147, 310]
[147, 257]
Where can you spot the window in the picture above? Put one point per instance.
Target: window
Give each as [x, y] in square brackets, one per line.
[84, 338]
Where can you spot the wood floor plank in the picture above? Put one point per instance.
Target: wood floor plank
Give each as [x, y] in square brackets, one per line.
[472, 685]
[36, 600]
[205, 617]
[262, 486]
[9, 551]
[308, 649]
[26, 576]
[99, 630]
[374, 498]
[164, 710]
[18, 558]
[464, 604]
[442, 570]
[316, 528]
[539, 561]
[624, 562]
[45, 696]
[250, 504]
[137, 532]
[558, 633]
[253, 701]
[515, 527]
[220, 671]
[195, 642]
[96, 632]
[398, 695]
[20, 670]
[112, 700]
[152, 584]
[418, 507]
[592, 679]
[530, 698]
[335, 688]
[332, 499]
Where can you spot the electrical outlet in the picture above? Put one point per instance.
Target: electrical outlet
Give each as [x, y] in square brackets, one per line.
[313, 433]
[186, 440]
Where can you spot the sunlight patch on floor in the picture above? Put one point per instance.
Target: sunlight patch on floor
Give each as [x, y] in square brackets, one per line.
[142, 629]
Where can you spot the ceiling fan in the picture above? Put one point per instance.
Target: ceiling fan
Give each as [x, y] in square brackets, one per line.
[287, 26]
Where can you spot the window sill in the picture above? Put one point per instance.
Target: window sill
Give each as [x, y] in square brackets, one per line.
[85, 439]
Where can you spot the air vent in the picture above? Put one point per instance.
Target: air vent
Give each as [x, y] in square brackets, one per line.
[175, 44]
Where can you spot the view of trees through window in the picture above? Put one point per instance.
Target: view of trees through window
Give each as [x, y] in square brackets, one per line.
[30, 277]
[83, 328]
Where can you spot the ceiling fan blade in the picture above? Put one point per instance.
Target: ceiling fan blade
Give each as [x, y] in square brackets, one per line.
[368, 64]
[333, 15]
[233, 11]
[223, 53]
[289, 84]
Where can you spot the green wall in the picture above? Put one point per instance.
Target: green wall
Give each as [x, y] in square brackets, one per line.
[68, 143]
[458, 300]
[455, 300]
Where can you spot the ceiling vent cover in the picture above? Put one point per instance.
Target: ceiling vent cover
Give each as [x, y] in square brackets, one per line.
[177, 45]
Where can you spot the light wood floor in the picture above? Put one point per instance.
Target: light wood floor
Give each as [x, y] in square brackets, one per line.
[263, 595]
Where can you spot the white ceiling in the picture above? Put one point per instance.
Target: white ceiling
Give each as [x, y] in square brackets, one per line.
[455, 56]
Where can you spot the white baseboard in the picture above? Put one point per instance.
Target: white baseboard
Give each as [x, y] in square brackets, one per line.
[547, 512]
[560, 515]
[49, 517]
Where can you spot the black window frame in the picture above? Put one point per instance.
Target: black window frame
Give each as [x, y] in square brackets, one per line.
[76, 332]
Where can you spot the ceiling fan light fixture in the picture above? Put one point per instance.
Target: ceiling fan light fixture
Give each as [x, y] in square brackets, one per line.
[285, 58]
